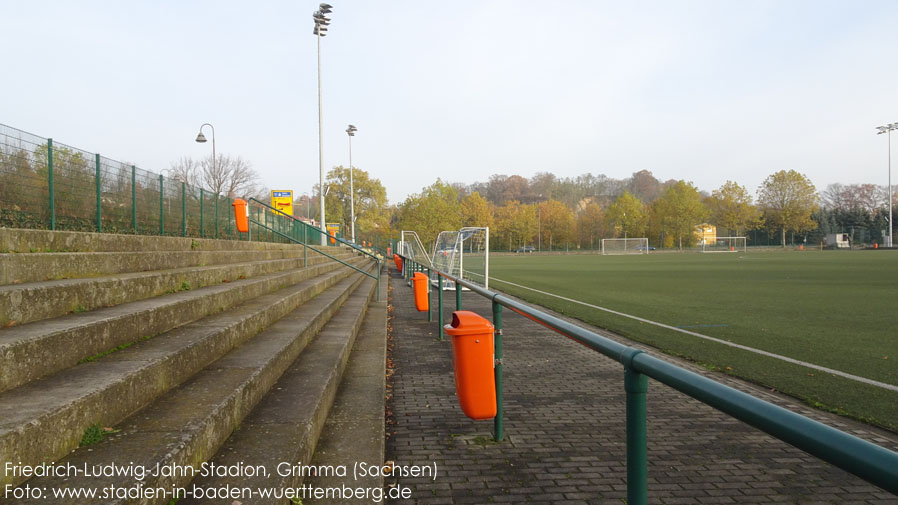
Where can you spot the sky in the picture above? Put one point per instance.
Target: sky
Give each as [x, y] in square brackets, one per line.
[704, 91]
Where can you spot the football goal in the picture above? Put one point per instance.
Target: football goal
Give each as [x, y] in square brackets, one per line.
[725, 244]
[410, 246]
[465, 254]
[625, 246]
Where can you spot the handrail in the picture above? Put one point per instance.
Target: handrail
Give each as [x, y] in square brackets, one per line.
[375, 277]
[317, 230]
[859, 457]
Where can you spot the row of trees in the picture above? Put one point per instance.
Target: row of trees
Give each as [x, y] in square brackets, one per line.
[566, 213]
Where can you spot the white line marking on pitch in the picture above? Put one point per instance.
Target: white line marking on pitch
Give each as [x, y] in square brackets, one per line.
[865, 380]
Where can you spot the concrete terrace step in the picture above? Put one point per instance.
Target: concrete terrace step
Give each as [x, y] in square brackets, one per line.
[45, 419]
[31, 351]
[188, 425]
[26, 240]
[354, 431]
[285, 425]
[36, 267]
[23, 303]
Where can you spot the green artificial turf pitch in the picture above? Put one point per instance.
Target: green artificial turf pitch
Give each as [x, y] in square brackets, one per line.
[837, 309]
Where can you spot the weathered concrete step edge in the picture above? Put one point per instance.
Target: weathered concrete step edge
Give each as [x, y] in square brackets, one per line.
[286, 423]
[42, 300]
[44, 420]
[27, 240]
[36, 267]
[354, 431]
[188, 425]
[31, 351]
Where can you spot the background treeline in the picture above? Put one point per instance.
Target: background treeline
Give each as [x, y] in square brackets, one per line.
[576, 213]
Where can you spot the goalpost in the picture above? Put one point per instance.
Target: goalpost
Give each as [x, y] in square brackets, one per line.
[410, 246]
[725, 244]
[464, 254]
[625, 246]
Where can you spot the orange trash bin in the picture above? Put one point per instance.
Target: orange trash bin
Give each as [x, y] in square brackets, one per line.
[398, 261]
[421, 283]
[241, 215]
[473, 360]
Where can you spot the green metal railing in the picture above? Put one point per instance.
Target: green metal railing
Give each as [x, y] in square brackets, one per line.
[866, 460]
[300, 232]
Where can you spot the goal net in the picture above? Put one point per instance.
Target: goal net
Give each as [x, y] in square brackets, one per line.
[625, 246]
[725, 244]
[410, 246]
[464, 253]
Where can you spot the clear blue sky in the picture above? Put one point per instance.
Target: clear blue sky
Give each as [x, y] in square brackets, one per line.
[698, 90]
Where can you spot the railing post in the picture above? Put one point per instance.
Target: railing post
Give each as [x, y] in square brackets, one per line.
[50, 187]
[457, 295]
[636, 386]
[161, 206]
[379, 266]
[440, 305]
[183, 209]
[499, 421]
[134, 197]
[229, 214]
[216, 215]
[429, 297]
[99, 189]
[202, 217]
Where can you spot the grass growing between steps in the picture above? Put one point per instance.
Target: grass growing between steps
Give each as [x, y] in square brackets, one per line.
[94, 434]
[107, 352]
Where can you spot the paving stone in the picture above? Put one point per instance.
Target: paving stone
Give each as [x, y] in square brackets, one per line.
[564, 424]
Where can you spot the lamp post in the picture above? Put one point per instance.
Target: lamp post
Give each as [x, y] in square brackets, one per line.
[202, 140]
[350, 131]
[887, 129]
[321, 23]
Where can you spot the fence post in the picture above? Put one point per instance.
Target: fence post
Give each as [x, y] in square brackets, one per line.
[636, 386]
[99, 204]
[202, 208]
[161, 206]
[183, 209]
[440, 304]
[134, 197]
[217, 196]
[429, 298]
[457, 295]
[499, 421]
[227, 213]
[50, 188]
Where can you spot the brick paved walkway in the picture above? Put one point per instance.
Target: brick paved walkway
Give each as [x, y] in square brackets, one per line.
[564, 413]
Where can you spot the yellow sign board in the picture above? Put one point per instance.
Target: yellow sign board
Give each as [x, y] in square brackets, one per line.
[282, 200]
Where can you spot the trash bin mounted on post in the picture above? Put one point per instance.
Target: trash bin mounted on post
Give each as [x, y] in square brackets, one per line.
[473, 362]
[398, 261]
[241, 215]
[421, 282]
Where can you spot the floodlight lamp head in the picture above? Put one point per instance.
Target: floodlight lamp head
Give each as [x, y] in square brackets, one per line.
[325, 8]
[200, 137]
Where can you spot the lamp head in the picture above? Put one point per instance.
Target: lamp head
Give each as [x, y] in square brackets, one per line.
[200, 137]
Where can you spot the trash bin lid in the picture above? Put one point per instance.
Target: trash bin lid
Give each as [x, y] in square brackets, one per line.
[419, 276]
[465, 322]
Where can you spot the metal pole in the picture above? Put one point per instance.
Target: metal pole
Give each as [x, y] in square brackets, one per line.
[202, 217]
[321, 149]
[183, 209]
[636, 386]
[440, 304]
[99, 204]
[890, 189]
[457, 296]
[134, 197]
[429, 296]
[539, 233]
[216, 215]
[351, 194]
[161, 206]
[50, 185]
[499, 421]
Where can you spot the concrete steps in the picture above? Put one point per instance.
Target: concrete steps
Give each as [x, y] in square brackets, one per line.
[31, 351]
[177, 374]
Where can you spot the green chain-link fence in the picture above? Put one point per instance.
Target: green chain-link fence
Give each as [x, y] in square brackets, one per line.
[48, 185]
